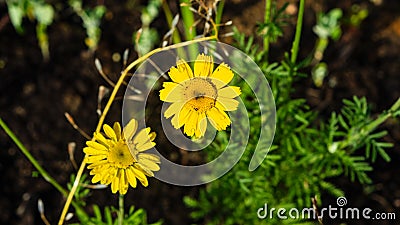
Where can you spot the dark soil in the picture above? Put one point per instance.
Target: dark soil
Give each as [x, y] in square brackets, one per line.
[34, 96]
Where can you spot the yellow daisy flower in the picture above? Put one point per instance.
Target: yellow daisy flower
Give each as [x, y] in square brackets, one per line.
[112, 162]
[199, 95]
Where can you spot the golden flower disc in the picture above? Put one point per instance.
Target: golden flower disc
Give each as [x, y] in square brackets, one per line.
[120, 155]
[200, 94]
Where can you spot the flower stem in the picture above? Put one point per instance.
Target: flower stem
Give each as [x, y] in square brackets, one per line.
[188, 20]
[168, 15]
[35, 163]
[267, 20]
[121, 210]
[296, 42]
[218, 15]
[32, 159]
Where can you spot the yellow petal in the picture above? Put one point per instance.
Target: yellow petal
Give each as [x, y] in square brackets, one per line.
[145, 146]
[123, 183]
[109, 132]
[191, 123]
[228, 104]
[203, 66]
[152, 136]
[96, 178]
[95, 158]
[222, 75]
[97, 164]
[108, 175]
[175, 121]
[229, 92]
[181, 72]
[202, 126]
[117, 130]
[149, 164]
[145, 170]
[152, 157]
[96, 145]
[173, 109]
[142, 136]
[172, 92]
[131, 177]
[94, 151]
[218, 118]
[182, 117]
[101, 139]
[130, 129]
[115, 184]
[141, 177]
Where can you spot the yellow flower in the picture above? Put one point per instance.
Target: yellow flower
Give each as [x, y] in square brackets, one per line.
[199, 95]
[112, 162]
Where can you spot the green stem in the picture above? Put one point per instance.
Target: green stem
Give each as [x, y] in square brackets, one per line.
[218, 16]
[190, 30]
[38, 167]
[168, 15]
[121, 210]
[296, 42]
[35, 163]
[267, 19]
[188, 20]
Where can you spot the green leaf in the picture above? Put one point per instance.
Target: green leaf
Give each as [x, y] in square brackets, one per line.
[16, 13]
[44, 14]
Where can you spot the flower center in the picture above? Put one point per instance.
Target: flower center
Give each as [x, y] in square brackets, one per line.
[120, 155]
[200, 94]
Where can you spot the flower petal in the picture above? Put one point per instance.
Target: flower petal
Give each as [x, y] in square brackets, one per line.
[228, 104]
[142, 136]
[109, 132]
[130, 129]
[115, 184]
[141, 177]
[95, 158]
[94, 151]
[101, 139]
[173, 109]
[152, 136]
[152, 157]
[182, 117]
[222, 75]
[131, 177]
[219, 119]
[181, 72]
[145, 170]
[96, 145]
[191, 123]
[145, 146]
[202, 126]
[149, 164]
[172, 92]
[117, 130]
[123, 183]
[203, 66]
[229, 92]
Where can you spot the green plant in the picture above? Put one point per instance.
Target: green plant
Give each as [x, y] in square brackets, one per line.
[146, 38]
[328, 26]
[91, 19]
[307, 151]
[37, 10]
